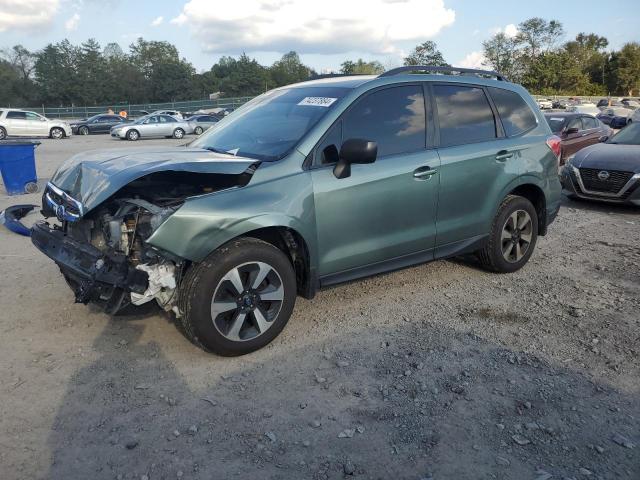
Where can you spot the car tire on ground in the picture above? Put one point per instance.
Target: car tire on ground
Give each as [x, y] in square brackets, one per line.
[178, 133]
[513, 236]
[239, 298]
[56, 133]
[3, 133]
[83, 131]
[133, 135]
[198, 130]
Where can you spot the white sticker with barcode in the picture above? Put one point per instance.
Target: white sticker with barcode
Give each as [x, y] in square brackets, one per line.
[317, 101]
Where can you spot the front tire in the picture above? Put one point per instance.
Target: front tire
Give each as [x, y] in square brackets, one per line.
[513, 236]
[133, 135]
[239, 298]
[56, 133]
[83, 131]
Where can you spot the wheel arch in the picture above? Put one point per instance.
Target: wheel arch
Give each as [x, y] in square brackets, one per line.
[537, 197]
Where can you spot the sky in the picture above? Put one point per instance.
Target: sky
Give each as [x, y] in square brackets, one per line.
[323, 32]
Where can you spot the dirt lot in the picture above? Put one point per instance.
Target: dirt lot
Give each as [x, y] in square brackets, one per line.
[441, 371]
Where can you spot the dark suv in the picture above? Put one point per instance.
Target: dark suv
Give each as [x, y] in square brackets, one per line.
[304, 187]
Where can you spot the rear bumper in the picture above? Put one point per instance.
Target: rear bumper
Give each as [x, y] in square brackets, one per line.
[630, 195]
[94, 276]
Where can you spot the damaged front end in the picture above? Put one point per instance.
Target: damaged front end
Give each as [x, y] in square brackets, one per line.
[103, 253]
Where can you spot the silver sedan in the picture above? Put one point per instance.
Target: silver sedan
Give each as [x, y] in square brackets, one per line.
[153, 126]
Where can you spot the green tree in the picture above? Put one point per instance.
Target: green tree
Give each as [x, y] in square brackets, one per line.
[628, 68]
[426, 53]
[502, 55]
[289, 69]
[241, 77]
[360, 67]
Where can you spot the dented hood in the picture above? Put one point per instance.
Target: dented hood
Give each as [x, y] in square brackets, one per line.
[92, 177]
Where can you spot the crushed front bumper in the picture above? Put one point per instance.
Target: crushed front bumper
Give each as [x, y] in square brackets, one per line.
[95, 276]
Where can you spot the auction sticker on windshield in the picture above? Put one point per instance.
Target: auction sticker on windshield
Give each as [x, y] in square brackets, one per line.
[317, 101]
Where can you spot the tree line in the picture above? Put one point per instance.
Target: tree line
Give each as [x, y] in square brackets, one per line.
[63, 74]
[538, 59]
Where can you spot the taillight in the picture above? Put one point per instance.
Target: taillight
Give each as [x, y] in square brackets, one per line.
[553, 142]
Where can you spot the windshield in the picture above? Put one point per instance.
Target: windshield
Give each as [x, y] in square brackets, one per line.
[268, 127]
[555, 123]
[629, 135]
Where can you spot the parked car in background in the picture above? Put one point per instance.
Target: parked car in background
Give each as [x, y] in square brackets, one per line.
[588, 108]
[173, 113]
[608, 172]
[576, 131]
[544, 103]
[635, 117]
[631, 103]
[22, 123]
[152, 126]
[96, 124]
[615, 117]
[305, 187]
[202, 122]
[560, 104]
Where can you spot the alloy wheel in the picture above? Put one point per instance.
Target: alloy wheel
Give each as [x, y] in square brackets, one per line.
[246, 301]
[198, 131]
[517, 233]
[84, 131]
[56, 133]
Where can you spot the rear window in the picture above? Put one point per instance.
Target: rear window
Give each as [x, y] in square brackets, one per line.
[514, 112]
[464, 115]
[17, 115]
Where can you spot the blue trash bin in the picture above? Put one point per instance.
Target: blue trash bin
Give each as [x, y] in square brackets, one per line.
[18, 166]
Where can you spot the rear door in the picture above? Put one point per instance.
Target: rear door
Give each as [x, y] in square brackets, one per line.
[385, 210]
[591, 131]
[167, 124]
[480, 155]
[17, 123]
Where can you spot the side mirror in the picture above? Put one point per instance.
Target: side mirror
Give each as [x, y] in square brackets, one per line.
[42, 119]
[603, 138]
[571, 131]
[354, 150]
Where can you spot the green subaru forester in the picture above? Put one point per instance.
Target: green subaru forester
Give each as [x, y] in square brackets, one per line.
[304, 187]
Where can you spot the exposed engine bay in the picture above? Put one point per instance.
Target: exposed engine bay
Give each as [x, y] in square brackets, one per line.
[104, 255]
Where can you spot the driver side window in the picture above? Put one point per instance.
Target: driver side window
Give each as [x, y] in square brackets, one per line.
[575, 123]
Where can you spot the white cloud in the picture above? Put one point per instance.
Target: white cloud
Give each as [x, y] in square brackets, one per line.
[510, 30]
[157, 21]
[72, 23]
[331, 26]
[472, 60]
[27, 14]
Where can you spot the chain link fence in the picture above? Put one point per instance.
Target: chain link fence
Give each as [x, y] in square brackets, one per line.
[139, 109]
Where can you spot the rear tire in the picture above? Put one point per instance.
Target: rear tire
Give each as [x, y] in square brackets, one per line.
[178, 133]
[239, 298]
[198, 131]
[3, 133]
[513, 236]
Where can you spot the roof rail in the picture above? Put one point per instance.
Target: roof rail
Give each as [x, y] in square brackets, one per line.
[430, 68]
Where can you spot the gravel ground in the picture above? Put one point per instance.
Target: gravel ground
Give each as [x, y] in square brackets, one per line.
[440, 371]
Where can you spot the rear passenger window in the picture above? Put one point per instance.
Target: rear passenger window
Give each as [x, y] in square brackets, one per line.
[17, 115]
[589, 122]
[464, 115]
[393, 117]
[514, 112]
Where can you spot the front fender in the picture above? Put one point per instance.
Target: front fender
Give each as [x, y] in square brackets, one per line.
[205, 223]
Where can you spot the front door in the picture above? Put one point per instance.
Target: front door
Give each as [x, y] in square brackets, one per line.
[383, 214]
[36, 125]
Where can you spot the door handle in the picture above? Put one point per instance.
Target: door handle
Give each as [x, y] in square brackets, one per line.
[424, 172]
[502, 155]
